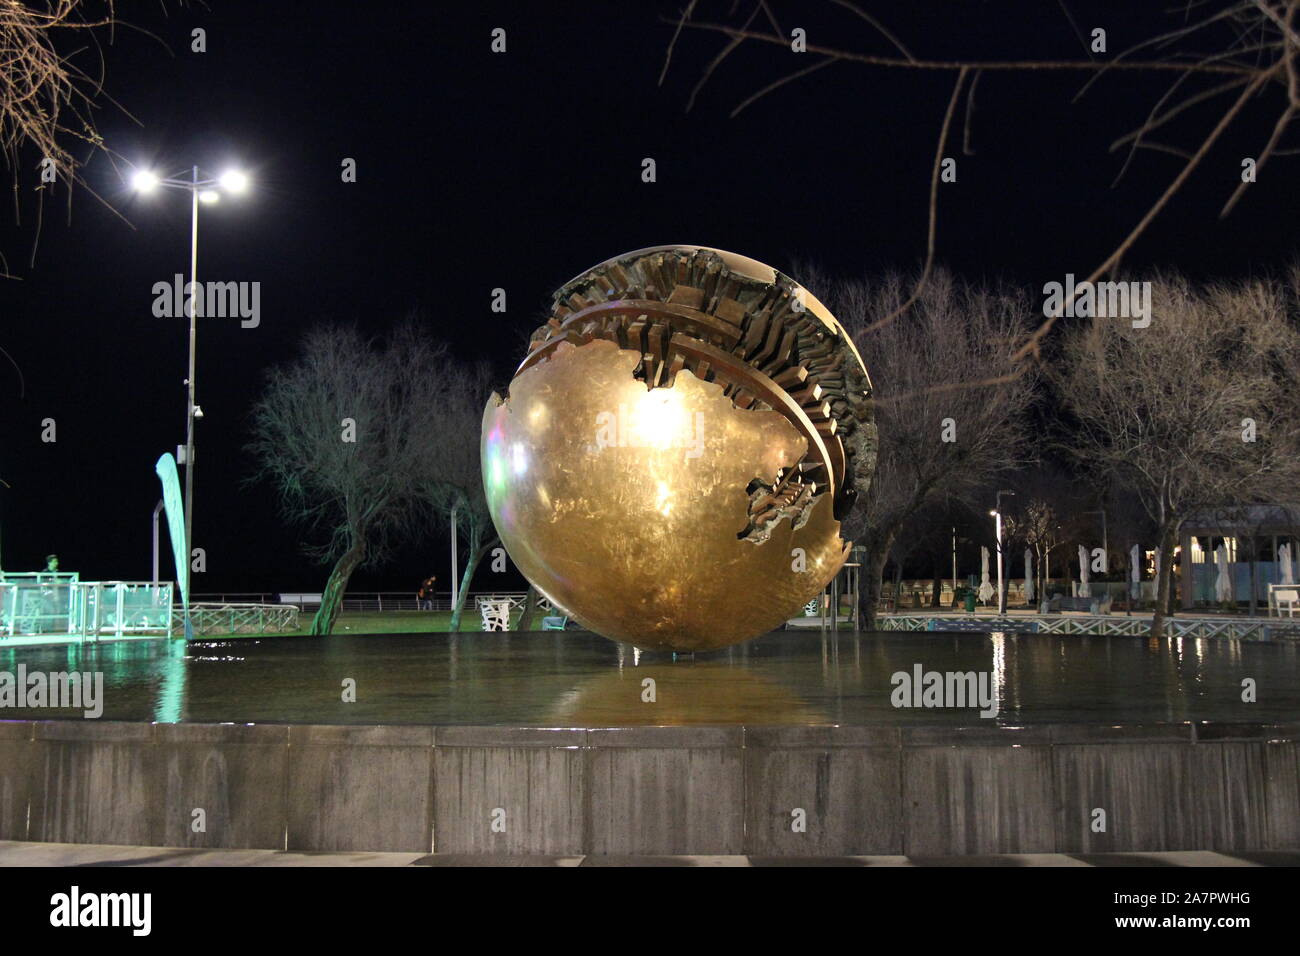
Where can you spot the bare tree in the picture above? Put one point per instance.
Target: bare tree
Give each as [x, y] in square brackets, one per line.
[47, 100]
[347, 434]
[925, 540]
[1039, 527]
[454, 489]
[939, 438]
[1198, 410]
[1221, 55]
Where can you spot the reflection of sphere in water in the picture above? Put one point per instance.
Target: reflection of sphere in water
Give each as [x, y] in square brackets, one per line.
[707, 692]
[678, 448]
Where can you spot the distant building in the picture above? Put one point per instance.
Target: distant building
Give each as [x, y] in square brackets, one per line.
[1252, 535]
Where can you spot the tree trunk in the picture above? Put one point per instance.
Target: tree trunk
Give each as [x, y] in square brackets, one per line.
[530, 600]
[1164, 583]
[476, 553]
[1254, 554]
[873, 571]
[1041, 577]
[935, 594]
[330, 601]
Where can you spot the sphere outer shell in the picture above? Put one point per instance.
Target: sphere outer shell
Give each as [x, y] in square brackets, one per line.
[640, 541]
[742, 265]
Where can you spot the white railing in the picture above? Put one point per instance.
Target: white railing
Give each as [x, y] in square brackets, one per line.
[1244, 628]
[363, 602]
[61, 607]
[213, 618]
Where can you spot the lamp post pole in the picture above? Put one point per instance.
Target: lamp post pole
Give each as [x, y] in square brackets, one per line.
[954, 564]
[5, 484]
[208, 191]
[189, 416]
[997, 513]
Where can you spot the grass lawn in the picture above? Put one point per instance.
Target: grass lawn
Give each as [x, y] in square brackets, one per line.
[390, 622]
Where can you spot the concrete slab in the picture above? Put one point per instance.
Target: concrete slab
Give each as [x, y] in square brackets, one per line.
[360, 788]
[812, 802]
[650, 800]
[1155, 797]
[18, 756]
[224, 785]
[509, 800]
[978, 800]
[98, 783]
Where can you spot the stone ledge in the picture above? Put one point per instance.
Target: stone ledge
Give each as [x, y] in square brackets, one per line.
[692, 738]
[17, 729]
[360, 735]
[453, 736]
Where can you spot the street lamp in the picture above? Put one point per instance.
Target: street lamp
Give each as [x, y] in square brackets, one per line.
[206, 190]
[997, 514]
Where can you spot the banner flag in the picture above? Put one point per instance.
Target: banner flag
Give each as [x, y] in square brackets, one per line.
[171, 485]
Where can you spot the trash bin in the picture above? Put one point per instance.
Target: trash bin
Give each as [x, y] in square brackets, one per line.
[970, 602]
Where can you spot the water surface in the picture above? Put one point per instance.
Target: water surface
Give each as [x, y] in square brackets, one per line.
[580, 679]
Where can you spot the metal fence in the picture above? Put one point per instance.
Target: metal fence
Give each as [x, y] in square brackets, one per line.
[54, 606]
[218, 618]
[365, 602]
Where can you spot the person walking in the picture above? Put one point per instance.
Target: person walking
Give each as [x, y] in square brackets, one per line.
[425, 594]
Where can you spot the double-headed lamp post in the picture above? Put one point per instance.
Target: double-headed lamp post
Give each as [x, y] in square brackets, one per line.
[997, 515]
[208, 191]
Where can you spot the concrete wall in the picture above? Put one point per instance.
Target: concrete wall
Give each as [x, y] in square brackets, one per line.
[766, 791]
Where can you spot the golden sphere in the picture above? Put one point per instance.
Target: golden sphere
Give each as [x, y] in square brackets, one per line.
[675, 454]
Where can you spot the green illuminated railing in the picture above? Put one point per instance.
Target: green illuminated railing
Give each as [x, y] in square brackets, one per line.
[58, 606]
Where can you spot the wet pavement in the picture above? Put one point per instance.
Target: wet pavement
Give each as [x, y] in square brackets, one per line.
[82, 855]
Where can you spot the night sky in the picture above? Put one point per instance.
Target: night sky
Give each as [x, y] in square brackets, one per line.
[520, 170]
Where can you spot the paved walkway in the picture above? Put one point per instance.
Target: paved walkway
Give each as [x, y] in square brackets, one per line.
[79, 854]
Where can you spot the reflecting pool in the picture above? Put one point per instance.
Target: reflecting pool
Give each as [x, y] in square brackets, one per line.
[578, 679]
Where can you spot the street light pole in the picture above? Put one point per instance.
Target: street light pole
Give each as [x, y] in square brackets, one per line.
[189, 416]
[954, 563]
[200, 190]
[2, 564]
[997, 512]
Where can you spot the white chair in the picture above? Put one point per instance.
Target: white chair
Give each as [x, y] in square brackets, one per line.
[496, 613]
[1289, 597]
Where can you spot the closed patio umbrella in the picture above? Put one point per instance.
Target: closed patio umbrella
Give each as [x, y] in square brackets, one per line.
[986, 589]
[1084, 590]
[1029, 577]
[1222, 583]
[1134, 574]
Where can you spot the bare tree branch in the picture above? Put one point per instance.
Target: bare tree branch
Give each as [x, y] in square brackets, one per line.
[934, 205]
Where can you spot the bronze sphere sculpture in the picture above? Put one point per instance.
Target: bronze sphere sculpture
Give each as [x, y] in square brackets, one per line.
[676, 452]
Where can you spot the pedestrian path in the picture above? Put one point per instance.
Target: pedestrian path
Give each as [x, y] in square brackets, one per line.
[13, 853]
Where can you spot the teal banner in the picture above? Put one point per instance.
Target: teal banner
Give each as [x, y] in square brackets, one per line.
[171, 490]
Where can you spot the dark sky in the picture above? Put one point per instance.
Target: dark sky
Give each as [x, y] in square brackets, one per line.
[478, 170]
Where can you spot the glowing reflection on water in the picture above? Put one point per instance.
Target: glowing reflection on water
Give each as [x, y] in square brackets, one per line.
[547, 677]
